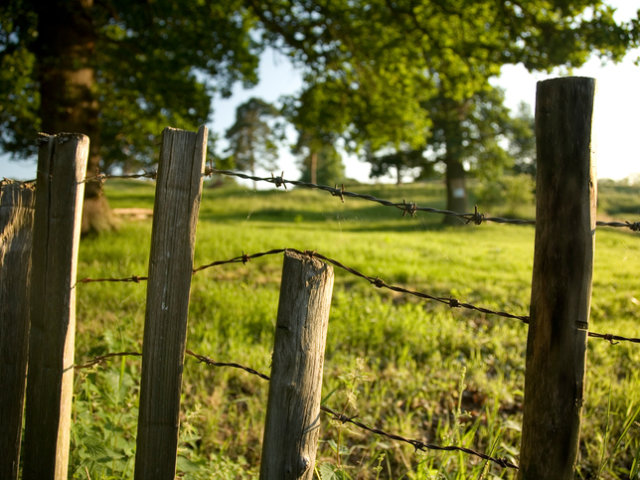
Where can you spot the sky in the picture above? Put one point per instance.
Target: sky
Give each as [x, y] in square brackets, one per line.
[616, 123]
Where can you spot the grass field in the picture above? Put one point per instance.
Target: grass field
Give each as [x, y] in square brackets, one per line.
[407, 366]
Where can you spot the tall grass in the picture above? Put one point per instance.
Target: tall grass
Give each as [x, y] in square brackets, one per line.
[423, 370]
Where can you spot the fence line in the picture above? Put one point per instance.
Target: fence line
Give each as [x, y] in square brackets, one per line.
[375, 281]
[341, 417]
[407, 208]
[556, 319]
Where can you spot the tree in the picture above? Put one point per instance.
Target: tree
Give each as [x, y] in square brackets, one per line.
[399, 160]
[477, 134]
[119, 72]
[253, 140]
[523, 143]
[392, 60]
[320, 162]
[316, 116]
[469, 134]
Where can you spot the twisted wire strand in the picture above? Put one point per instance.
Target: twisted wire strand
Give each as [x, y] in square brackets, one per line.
[417, 444]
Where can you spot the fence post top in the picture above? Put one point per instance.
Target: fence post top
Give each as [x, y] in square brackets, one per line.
[201, 128]
[570, 80]
[61, 137]
[307, 256]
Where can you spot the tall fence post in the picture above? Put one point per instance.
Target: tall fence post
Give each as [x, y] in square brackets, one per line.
[16, 228]
[175, 216]
[561, 286]
[62, 164]
[293, 411]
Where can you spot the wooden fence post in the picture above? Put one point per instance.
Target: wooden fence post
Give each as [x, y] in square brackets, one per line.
[561, 286]
[175, 216]
[62, 164]
[16, 228]
[293, 411]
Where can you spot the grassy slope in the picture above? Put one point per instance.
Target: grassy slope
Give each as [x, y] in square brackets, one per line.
[408, 366]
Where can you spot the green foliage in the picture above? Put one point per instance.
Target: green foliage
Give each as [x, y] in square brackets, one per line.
[399, 78]
[315, 115]
[512, 196]
[327, 162]
[155, 63]
[618, 198]
[523, 141]
[477, 131]
[401, 161]
[17, 81]
[394, 361]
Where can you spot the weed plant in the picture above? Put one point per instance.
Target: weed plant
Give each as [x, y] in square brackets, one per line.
[416, 368]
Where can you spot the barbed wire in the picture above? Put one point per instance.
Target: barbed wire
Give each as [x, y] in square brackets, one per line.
[416, 444]
[375, 281]
[101, 177]
[634, 227]
[103, 358]
[213, 363]
[407, 208]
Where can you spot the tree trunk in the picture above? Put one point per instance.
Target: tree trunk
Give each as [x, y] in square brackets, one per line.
[65, 47]
[456, 190]
[314, 167]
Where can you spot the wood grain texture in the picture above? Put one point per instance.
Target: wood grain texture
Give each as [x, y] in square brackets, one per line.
[17, 202]
[562, 272]
[293, 412]
[177, 202]
[62, 164]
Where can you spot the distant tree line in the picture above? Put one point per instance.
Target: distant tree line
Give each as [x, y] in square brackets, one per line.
[405, 85]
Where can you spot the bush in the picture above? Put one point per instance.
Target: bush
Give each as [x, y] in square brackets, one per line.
[511, 196]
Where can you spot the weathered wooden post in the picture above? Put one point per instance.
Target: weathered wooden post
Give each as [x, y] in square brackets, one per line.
[561, 287]
[62, 163]
[16, 227]
[293, 411]
[175, 216]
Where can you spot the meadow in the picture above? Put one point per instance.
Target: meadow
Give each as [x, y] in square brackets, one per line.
[408, 366]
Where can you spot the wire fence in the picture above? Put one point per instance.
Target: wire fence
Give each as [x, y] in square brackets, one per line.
[407, 209]
[341, 417]
[374, 281]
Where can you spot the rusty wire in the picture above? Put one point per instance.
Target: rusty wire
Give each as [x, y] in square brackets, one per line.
[407, 208]
[379, 283]
[101, 177]
[102, 358]
[416, 444]
[213, 363]
[375, 281]
[634, 227]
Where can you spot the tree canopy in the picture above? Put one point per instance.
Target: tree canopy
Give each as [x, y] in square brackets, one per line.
[119, 72]
[152, 63]
[412, 76]
[386, 75]
[253, 138]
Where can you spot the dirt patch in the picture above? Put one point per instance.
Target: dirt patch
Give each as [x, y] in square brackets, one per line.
[133, 213]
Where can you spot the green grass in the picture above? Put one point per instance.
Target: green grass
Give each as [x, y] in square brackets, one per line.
[408, 366]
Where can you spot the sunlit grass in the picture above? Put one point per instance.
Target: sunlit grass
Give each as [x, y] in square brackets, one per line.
[408, 366]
